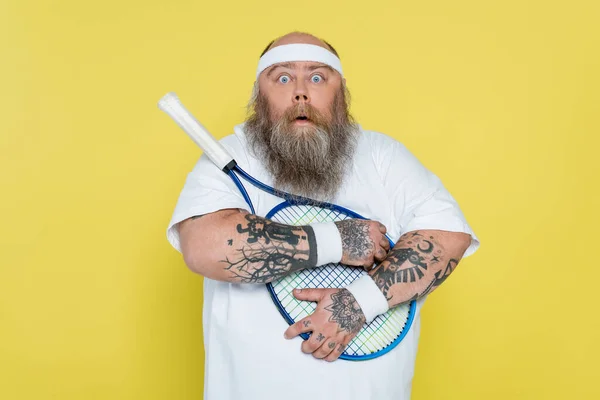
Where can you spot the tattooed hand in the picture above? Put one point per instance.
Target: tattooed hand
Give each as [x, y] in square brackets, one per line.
[337, 319]
[363, 242]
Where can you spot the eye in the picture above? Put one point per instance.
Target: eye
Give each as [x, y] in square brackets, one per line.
[316, 79]
[284, 79]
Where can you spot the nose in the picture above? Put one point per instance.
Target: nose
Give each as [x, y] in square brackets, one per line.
[300, 94]
[299, 98]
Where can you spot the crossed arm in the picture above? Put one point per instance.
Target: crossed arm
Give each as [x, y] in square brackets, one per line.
[235, 246]
[419, 263]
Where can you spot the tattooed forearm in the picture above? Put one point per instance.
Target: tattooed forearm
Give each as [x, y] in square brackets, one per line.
[415, 267]
[265, 265]
[267, 250]
[346, 311]
[439, 277]
[356, 241]
[261, 228]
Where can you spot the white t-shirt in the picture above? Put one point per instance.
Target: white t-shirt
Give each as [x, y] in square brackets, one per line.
[247, 357]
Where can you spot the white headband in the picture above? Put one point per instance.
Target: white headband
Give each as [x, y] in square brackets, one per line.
[298, 52]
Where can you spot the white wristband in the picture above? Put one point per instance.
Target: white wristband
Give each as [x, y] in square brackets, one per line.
[369, 297]
[329, 243]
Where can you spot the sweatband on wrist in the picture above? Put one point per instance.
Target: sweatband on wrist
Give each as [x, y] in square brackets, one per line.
[369, 297]
[329, 243]
[298, 52]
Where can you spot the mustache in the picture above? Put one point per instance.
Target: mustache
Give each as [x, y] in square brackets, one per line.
[304, 111]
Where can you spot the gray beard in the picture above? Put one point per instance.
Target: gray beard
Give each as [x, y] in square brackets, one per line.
[309, 161]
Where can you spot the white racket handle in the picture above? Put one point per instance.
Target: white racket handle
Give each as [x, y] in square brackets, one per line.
[171, 105]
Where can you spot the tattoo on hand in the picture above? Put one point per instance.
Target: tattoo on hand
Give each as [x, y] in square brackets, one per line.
[320, 337]
[331, 345]
[340, 348]
[306, 323]
[346, 312]
[356, 241]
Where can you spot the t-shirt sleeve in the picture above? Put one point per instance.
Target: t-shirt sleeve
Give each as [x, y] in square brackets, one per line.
[420, 200]
[207, 189]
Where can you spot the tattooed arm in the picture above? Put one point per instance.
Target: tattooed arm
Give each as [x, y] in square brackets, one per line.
[235, 246]
[419, 263]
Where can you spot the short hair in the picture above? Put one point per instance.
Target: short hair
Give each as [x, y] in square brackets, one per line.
[324, 41]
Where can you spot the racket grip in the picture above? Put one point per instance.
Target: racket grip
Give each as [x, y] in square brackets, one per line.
[171, 105]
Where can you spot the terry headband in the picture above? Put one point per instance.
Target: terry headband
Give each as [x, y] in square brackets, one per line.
[298, 52]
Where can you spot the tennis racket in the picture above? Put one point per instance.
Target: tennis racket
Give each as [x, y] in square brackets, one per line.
[380, 336]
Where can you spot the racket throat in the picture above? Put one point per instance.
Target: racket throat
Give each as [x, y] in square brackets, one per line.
[230, 166]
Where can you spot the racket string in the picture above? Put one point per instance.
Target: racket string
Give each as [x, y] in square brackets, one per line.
[373, 337]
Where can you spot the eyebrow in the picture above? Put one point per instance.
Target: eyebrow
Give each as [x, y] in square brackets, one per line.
[290, 65]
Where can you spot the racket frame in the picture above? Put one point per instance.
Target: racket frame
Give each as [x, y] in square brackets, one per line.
[298, 200]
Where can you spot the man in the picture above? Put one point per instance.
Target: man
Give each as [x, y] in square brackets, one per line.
[300, 138]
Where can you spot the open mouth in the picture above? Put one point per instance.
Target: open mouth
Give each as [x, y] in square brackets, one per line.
[301, 118]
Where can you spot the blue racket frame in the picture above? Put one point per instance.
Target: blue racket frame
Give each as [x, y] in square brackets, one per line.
[298, 200]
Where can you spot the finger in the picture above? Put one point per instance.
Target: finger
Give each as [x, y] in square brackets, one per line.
[309, 294]
[325, 350]
[313, 343]
[302, 326]
[385, 244]
[335, 354]
[369, 266]
[380, 255]
[382, 228]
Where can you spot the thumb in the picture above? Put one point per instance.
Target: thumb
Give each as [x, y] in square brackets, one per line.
[309, 294]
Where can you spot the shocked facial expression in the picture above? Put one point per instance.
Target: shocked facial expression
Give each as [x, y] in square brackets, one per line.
[295, 85]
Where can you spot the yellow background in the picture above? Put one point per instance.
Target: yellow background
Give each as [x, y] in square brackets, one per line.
[500, 99]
